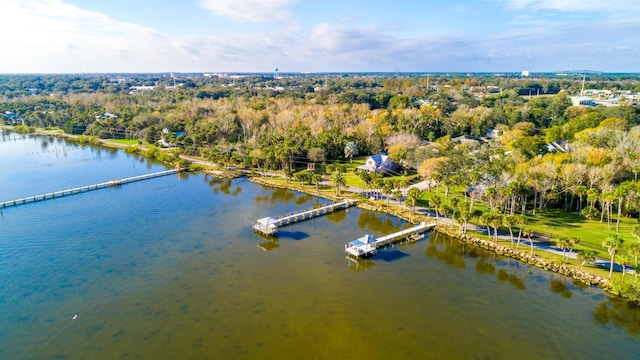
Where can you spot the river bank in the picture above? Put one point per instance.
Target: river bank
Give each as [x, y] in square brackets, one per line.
[392, 209]
[452, 230]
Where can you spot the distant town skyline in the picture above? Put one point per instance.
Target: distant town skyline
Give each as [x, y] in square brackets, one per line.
[122, 36]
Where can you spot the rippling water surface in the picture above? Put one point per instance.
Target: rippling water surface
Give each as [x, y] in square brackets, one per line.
[169, 268]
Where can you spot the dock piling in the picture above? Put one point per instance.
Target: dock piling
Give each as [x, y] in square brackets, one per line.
[270, 225]
[368, 245]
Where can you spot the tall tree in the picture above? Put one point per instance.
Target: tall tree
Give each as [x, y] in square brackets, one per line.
[623, 259]
[435, 202]
[510, 221]
[413, 195]
[338, 179]
[621, 193]
[563, 244]
[317, 179]
[613, 243]
[350, 150]
[634, 251]
[587, 256]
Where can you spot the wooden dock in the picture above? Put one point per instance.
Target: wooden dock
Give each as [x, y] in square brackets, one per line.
[269, 225]
[104, 185]
[368, 245]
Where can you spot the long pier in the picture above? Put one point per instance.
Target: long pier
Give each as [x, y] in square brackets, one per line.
[368, 245]
[77, 190]
[269, 225]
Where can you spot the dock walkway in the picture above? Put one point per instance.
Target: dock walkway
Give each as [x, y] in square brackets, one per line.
[368, 245]
[269, 225]
[77, 190]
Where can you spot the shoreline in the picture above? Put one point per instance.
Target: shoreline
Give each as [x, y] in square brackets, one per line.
[450, 230]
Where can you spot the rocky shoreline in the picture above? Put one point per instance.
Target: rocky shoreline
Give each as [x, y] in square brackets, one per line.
[581, 276]
[578, 275]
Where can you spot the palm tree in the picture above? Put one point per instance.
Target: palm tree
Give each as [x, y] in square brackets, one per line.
[522, 221]
[299, 176]
[496, 221]
[510, 221]
[621, 192]
[491, 192]
[403, 183]
[412, 197]
[462, 216]
[563, 244]
[492, 219]
[573, 242]
[435, 202]
[397, 194]
[288, 173]
[387, 188]
[635, 231]
[613, 242]
[339, 181]
[378, 182]
[317, 179]
[622, 259]
[454, 202]
[592, 196]
[634, 251]
[350, 149]
[528, 232]
[587, 256]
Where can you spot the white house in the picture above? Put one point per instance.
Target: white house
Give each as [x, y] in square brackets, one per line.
[106, 115]
[380, 163]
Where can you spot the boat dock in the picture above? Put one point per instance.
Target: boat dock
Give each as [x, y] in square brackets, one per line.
[368, 245]
[269, 225]
[104, 185]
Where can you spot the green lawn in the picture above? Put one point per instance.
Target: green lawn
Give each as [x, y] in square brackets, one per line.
[125, 141]
[555, 223]
[591, 233]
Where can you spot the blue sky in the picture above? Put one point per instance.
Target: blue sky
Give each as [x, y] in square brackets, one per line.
[70, 36]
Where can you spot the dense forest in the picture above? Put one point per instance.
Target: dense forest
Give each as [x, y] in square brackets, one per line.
[526, 147]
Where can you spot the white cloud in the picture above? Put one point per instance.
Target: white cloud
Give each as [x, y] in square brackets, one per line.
[250, 10]
[573, 5]
[53, 36]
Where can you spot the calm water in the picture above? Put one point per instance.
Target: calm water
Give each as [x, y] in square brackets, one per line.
[169, 268]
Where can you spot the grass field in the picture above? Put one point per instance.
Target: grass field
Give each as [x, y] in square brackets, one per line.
[125, 141]
[555, 223]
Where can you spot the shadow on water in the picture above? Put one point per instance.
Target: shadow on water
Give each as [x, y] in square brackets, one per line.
[275, 196]
[446, 249]
[507, 274]
[294, 235]
[223, 185]
[390, 255]
[611, 311]
[619, 312]
[374, 222]
[359, 264]
[337, 216]
[455, 254]
[558, 285]
[302, 198]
